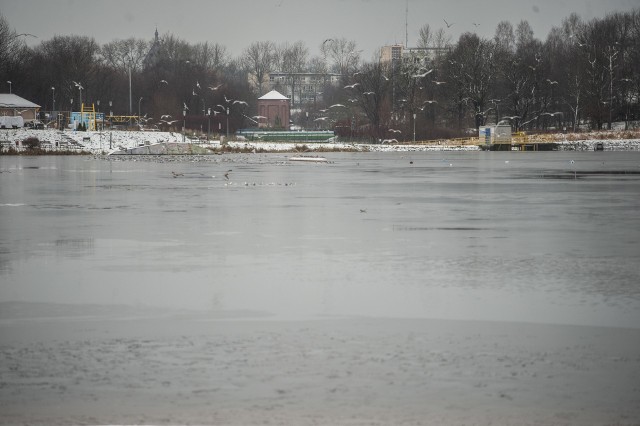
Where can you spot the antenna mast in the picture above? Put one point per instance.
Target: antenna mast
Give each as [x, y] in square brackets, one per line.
[406, 25]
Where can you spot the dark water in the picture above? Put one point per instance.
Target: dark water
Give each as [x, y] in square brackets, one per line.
[542, 237]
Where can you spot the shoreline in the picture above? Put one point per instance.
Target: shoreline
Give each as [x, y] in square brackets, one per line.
[123, 142]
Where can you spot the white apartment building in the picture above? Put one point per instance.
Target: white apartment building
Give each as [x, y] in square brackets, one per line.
[308, 86]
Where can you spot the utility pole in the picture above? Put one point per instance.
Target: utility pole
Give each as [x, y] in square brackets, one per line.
[130, 105]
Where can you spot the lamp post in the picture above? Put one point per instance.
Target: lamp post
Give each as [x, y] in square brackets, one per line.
[184, 123]
[9, 86]
[208, 123]
[71, 110]
[53, 98]
[110, 123]
[94, 118]
[414, 126]
[79, 86]
[130, 108]
[227, 123]
[139, 100]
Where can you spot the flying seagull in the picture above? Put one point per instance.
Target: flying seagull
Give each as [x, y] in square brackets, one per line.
[424, 74]
[337, 105]
[352, 86]
[448, 24]
[164, 81]
[216, 87]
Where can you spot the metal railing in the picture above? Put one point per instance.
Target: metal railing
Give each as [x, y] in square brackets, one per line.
[444, 142]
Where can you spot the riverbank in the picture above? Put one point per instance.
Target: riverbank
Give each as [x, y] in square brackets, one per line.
[57, 142]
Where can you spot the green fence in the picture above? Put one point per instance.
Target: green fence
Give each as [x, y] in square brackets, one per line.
[284, 136]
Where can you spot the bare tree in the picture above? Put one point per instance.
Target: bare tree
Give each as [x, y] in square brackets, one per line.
[524, 34]
[210, 56]
[372, 95]
[175, 50]
[472, 75]
[504, 37]
[13, 50]
[64, 61]
[291, 59]
[125, 55]
[258, 59]
[342, 53]
[317, 65]
[441, 40]
[425, 37]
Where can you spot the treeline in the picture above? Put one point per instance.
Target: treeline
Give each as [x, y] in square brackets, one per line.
[583, 74]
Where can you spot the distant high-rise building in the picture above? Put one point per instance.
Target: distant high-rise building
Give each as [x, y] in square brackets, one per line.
[417, 55]
[308, 86]
[391, 53]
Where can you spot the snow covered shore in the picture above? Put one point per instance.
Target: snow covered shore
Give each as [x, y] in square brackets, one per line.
[106, 142]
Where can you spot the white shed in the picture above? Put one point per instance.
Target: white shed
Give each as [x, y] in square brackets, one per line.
[12, 105]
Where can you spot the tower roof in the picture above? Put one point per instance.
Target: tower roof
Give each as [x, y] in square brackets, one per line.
[273, 95]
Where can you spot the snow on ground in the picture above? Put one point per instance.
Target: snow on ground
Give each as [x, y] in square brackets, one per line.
[105, 142]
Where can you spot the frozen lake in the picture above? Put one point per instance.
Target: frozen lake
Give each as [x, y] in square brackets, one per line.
[512, 236]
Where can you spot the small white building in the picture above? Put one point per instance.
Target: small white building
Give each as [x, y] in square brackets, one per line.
[495, 134]
[12, 105]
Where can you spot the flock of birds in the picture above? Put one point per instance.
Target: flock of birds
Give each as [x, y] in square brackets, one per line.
[168, 120]
[367, 94]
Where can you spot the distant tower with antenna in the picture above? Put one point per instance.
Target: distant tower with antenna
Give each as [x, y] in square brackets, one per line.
[406, 25]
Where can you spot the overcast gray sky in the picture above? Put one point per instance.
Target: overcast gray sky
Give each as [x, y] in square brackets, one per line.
[237, 23]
